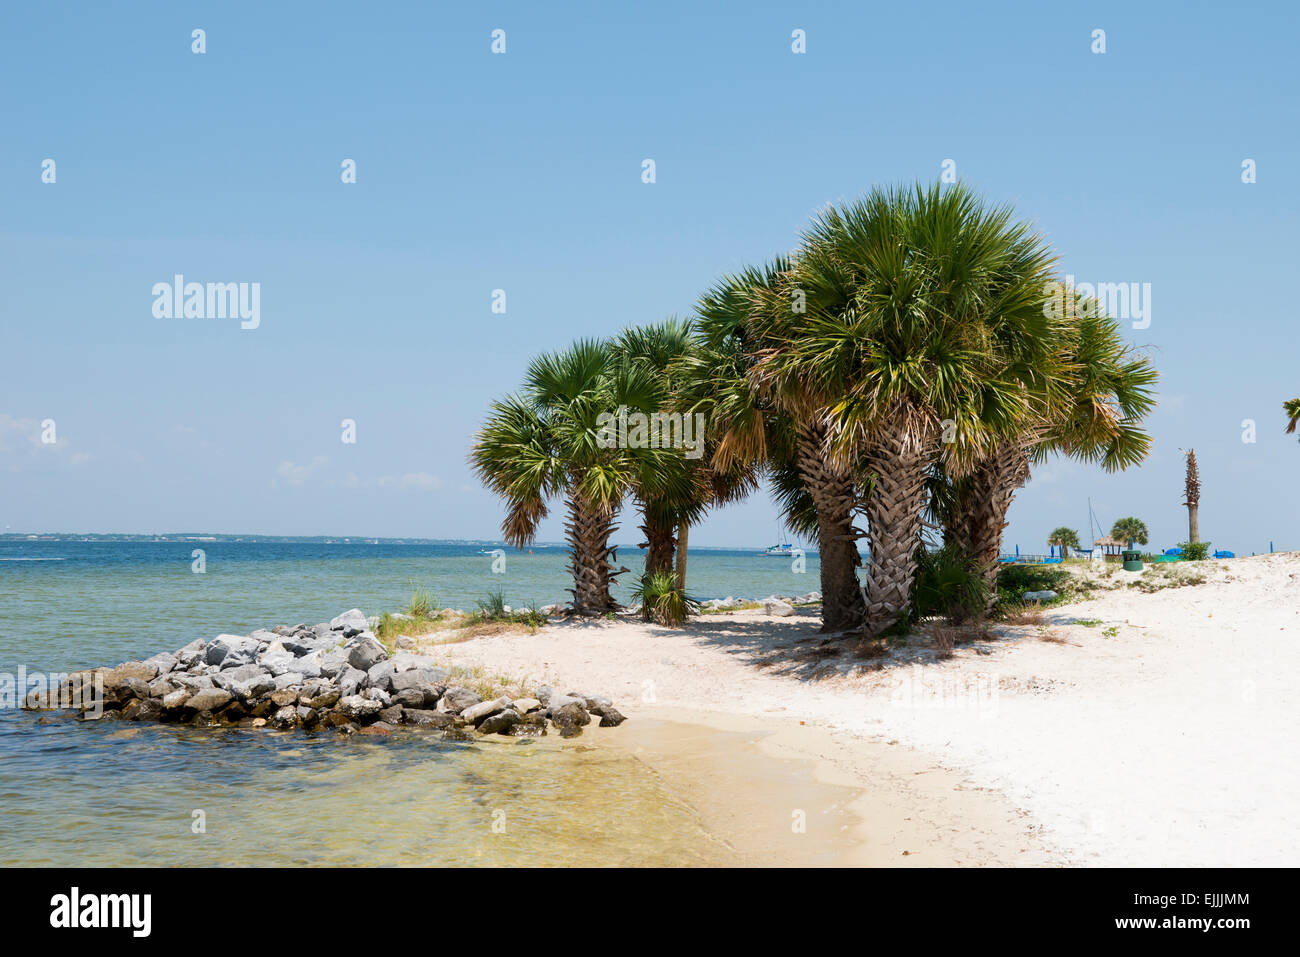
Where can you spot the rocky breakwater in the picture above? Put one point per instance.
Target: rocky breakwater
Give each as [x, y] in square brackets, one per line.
[334, 676]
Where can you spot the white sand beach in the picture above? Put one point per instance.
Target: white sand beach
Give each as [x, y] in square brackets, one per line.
[1163, 734]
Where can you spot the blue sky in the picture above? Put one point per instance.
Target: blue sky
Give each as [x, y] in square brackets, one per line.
[522, 172]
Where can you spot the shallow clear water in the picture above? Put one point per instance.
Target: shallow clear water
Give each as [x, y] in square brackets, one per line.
[121, 793]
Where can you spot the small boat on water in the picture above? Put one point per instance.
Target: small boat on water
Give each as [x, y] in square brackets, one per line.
[785, 548]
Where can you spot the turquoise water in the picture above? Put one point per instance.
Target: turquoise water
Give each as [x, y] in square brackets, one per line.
[120, 793]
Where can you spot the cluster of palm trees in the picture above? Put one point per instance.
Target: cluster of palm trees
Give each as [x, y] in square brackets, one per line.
[899, 372]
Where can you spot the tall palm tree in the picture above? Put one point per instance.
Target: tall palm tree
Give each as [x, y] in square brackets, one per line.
[736, 317]
[1090, 408]
[925, 307]
[1131, 530]
[544, 442]
[1192, 488]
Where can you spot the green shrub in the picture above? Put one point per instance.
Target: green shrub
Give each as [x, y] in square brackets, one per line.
[1195, 551]
[1015, 580]
[947, 583]
[663, 602]
[493, 607]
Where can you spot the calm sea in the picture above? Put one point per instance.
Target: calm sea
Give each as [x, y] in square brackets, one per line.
[115, 793]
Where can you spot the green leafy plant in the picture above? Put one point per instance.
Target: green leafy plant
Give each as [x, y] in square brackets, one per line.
[1015, 580]
[663, 602]
[1195, 551]
[1128, 530]
[947, 583]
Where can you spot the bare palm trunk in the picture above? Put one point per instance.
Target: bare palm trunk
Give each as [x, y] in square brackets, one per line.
[660, 545]
[1193, 500]
[897, 466]
[831, 488]
[587, 530]
[683, 534]
[993, 486]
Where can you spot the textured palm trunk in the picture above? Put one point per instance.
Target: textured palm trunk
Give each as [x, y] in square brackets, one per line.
[832, 491]
[992, 488]
[661, 546]
[897, 463]
[1193, 524]
[587, 531]
[683, 534]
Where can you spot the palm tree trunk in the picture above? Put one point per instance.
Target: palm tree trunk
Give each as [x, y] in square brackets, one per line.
[831, 489]
[661, 545]
[683, 533]
[993, 486]
[897, 465]
[587, 531]
[1193, 524]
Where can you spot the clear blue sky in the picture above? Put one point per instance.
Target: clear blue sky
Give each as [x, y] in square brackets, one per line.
[522, 172]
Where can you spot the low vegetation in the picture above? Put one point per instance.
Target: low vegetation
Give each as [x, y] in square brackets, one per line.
[663, 602]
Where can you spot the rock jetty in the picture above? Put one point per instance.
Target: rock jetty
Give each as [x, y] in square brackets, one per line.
[332, 676]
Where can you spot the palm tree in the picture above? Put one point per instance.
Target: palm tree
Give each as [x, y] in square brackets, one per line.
[1291, 407]
[1131, 530]
[926, 324]
[1089, 408]
[544, 442]
[1192, 488]
[673, 501]
[785, 422]
[1064, 539]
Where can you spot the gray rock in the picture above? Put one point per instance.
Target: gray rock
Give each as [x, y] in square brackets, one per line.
[191, 653]
[350, 680]
[254, 687]
[476, 713]
[209, 699]
[778, 608]
[116, 677]
[241, 673]
[351, 622]
[322, 630]
[285, 718]
[380, 675]
[332, 662]
[223, 647]
[457, 699]
[423, 718]
[174, 700]
[163, 661]
[366, 653]
[326, 699]
[411, 698]
[378, 694]
[499, 723]
[161, 687]
[543, 694]
[134, 687]
[588, 700]
[288, 680]
[357, 708]
[557, 700]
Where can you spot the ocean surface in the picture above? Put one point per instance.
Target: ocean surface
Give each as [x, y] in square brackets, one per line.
[122, 793]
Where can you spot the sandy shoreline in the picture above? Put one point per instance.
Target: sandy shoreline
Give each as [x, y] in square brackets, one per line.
[1165, 735]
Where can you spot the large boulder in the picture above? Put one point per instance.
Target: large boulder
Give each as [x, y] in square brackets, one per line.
[138, 670]
[423, 718]
[610, 717]
[570, 719]
[476, 713]
[357, 708]
[350, 680]
[457, 699]
[209, 699]
[499, 723]
[418, 682]
[229, 651]
[366, 653]
[163, 661]
[351, 622]
[380, 675]
[777, 608]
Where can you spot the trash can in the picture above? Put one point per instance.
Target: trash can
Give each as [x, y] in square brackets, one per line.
[1132, 560]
